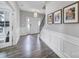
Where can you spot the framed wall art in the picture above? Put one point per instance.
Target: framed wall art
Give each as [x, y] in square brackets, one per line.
[71, 13]
[50, 18]
[58, 16]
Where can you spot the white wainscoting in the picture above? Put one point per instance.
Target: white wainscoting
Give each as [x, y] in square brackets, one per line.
[62, 44]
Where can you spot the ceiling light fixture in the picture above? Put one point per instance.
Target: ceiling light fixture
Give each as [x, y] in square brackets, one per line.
[35, 14]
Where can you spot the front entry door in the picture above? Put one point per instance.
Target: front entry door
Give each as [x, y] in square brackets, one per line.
[33, 26]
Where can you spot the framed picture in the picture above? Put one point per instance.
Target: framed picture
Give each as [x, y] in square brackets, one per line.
[71, 13]
[50, 18]
[58, 16]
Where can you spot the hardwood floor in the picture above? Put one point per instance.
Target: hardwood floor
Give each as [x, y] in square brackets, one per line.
[28, 47]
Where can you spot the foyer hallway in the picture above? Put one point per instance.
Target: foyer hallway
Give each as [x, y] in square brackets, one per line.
[28, 47]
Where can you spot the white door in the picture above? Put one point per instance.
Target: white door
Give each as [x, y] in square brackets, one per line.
[33, 25]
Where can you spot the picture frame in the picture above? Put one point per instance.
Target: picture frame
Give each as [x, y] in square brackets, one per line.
[71, 13]
[50, 18]
[58, 16]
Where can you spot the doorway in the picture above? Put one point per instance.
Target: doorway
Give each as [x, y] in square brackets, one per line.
[5, 28]
[33, 25]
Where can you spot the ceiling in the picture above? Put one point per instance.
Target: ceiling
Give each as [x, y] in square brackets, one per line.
[32, 6]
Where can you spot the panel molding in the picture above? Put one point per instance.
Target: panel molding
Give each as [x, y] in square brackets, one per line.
[69, 38]
[55, 41]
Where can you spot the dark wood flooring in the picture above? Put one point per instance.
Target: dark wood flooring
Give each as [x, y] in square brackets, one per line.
[28, 47]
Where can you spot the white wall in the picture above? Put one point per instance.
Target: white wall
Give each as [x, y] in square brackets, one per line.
[15, 16]
[3, 37]
[24, 15]
[63, 37]
[13, 10]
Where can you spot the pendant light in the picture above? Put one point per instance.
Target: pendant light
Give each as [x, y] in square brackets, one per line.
[35, 14]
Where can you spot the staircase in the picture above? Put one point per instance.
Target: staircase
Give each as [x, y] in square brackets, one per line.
[42, 23]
